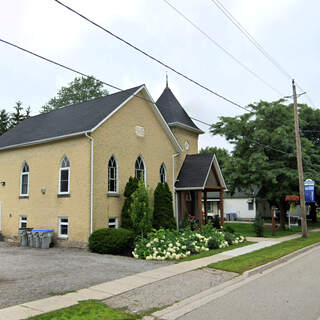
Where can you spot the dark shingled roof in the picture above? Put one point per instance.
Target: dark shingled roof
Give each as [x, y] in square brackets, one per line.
[194, 171]
[65, 121]
[172, 110]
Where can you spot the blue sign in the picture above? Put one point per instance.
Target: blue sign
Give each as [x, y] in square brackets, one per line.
[309, 190]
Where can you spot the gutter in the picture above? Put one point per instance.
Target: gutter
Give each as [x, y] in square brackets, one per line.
[91, 181]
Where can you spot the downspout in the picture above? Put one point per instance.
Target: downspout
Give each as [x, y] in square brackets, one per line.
[174, 191]
[91, 182]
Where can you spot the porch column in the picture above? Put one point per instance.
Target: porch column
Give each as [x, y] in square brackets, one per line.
[200, 216]
[221, 208]
[183, 204]
[205, 205]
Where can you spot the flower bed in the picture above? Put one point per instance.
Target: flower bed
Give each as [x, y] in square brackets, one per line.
[174, 245]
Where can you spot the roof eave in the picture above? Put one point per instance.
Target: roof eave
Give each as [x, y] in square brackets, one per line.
[186, 127]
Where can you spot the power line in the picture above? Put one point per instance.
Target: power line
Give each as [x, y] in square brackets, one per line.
[110, 85]
[245, 32]
[153, 58]
[210, 38]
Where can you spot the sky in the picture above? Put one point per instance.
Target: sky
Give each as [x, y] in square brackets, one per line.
[287, 29]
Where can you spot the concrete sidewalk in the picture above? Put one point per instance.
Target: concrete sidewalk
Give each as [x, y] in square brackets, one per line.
[112, 288]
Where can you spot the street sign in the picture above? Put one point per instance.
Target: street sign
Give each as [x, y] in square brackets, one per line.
[309, 190]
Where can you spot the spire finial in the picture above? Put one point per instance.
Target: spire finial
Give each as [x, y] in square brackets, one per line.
[166, 79]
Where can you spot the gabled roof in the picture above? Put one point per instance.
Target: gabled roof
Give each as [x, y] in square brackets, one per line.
[195, 171]
[76, 120]
[173, 112]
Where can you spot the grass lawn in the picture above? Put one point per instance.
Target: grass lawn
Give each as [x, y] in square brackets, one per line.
[257, 258]
[204, 254]
[87, 310]
[246, 229]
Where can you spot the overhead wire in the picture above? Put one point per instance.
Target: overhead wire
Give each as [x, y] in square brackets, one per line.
[258, 46]
[212, 40]
[164, 64]
[111, 85]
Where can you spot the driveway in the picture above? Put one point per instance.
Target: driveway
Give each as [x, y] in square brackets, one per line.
[28, 274]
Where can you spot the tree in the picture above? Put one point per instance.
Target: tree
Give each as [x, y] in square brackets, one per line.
[274, 168]
[131, 187]
[163, 208]
[79, 90]
[18, 115]
[4, 122]
[140, 211]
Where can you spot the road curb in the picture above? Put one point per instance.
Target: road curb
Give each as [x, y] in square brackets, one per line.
[281, 260]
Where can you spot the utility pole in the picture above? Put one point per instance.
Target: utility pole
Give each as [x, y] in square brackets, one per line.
[299, 163]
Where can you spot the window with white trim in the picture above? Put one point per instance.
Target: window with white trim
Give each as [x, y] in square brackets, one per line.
[113, 222]
[22, 222]
[140, 168]
[112, 175]
[24, 188]
[163, 174]
[63, 227]
[64, 176]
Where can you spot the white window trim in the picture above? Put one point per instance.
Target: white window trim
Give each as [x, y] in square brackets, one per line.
[60, 223]
[24, 174]
[22, 221]
[116, 223]
[145, 169]
[117, 176]
[69, 176]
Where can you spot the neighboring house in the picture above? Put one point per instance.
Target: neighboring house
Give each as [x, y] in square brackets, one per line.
[245, 204]
[67, 169]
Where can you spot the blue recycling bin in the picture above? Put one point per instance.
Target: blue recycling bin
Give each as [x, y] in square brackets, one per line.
[45, 236]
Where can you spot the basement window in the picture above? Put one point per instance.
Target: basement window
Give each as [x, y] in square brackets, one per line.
[113, 222]
[63, 227]
[22, 222]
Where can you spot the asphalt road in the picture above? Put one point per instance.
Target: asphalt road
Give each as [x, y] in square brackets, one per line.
[289, 292]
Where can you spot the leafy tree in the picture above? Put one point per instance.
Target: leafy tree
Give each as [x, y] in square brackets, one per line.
[4, 121]
[274, 168]
[131, 187]
[19, 114]
[79, 90]
[163, 208]
[140, 211]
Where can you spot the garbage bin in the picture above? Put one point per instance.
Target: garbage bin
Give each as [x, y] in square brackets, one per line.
[36, 239]
[233, 216]
[24, 237]
[30, 238]
[45, 236]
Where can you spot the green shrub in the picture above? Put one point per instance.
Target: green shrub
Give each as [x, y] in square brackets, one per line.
[213, 244]
[259, 226]
[140, 210]
[216, 222]
[163, 209]
[190, 222]
[131, 187]
[111, 241]
[229, 237]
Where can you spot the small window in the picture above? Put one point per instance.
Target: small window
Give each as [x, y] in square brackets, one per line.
[112, 175]
[140, 168]
[163, 174]
[63, 227]
[113, 222]
[23, 222]
[250, 206]
[64, 176]
[24, 189]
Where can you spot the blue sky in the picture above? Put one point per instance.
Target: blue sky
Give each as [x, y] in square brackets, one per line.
[288, 29]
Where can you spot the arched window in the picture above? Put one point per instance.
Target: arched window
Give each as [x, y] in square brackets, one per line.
[112, 175]
[163, 174]
[64, 176]
[140, 169]
[24, 189]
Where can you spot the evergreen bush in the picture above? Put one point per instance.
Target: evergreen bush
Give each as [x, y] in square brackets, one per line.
[111, 241]
[131, 187]
[216, 222]
[163, 208]
[140, 210]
